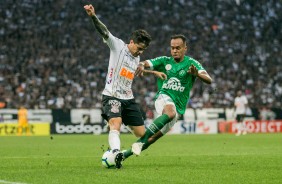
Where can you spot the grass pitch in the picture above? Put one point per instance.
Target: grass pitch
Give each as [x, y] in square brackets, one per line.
[254, 158]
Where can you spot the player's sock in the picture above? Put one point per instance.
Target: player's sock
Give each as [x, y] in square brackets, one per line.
[158, 124]
[241, 127]
[127, 153]
[146, 145]
[244, 128]
[114, 140]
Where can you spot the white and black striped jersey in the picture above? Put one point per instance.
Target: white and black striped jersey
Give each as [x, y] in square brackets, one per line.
[121, 69]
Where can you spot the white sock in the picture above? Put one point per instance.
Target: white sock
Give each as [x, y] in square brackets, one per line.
[239, 127]
[114, 140]
[244, 126]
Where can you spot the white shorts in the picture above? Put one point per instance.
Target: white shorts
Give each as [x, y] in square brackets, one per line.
[160, 103]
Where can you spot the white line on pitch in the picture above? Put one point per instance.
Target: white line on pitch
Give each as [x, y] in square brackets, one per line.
[38, 157]
[10, 182]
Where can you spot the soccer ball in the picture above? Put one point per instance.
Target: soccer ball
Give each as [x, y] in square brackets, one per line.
[108, 159]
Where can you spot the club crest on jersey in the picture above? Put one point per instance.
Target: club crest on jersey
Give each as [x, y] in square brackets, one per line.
[114, 106]
[168, 67]
[181, 73]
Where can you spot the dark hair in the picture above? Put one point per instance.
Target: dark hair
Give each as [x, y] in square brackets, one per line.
[141, 36]
[181, 36]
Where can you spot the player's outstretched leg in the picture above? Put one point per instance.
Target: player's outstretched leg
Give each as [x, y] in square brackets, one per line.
[136, 149]
[151, 140]
[158, 124]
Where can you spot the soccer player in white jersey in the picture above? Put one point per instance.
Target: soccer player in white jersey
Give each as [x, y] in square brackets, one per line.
[240, 104]
[174, 91]
[118, 102]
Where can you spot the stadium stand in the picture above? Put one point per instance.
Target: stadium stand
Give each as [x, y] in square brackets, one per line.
[51, 56]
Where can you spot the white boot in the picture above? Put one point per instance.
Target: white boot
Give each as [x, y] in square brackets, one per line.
[137, 148]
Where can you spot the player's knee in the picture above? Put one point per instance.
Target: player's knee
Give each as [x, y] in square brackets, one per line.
[114, 127]
[115, 124]
[170, 111]
[171, 114]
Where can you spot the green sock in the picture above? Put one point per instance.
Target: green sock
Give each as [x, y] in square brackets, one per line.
[127, 153]
[158, 124]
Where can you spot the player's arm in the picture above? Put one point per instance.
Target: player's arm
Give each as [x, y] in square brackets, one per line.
[140, 69]
[160, 75]
[100, 27]
[203, 75]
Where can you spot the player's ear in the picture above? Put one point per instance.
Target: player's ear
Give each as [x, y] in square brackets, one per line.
[186, 48]
[131, 42]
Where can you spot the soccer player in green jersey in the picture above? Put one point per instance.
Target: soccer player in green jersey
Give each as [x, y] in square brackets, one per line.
[174, 91]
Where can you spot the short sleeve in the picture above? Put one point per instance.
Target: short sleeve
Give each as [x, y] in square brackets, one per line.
[113, 42]
[197, 65]
[157, 62]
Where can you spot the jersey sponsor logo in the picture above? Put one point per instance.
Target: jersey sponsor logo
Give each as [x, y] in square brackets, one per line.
[168, 67]
[115, 106]
[110, 77]
[126, 73]
[173, 84]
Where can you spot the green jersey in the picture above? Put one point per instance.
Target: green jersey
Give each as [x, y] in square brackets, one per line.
[178, 83]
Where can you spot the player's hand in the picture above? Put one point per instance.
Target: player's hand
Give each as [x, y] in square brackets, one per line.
[193, 70]
[140, 70]
[89, 10]
[160, 75]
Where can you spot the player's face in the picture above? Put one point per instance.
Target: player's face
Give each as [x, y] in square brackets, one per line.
[178, 49]
[136, 49]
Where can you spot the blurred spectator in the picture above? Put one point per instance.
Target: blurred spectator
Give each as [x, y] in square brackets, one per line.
[267, 114]
[46, 63]
[23, 121]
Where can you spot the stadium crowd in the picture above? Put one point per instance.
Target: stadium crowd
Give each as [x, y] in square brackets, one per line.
[52, 57]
